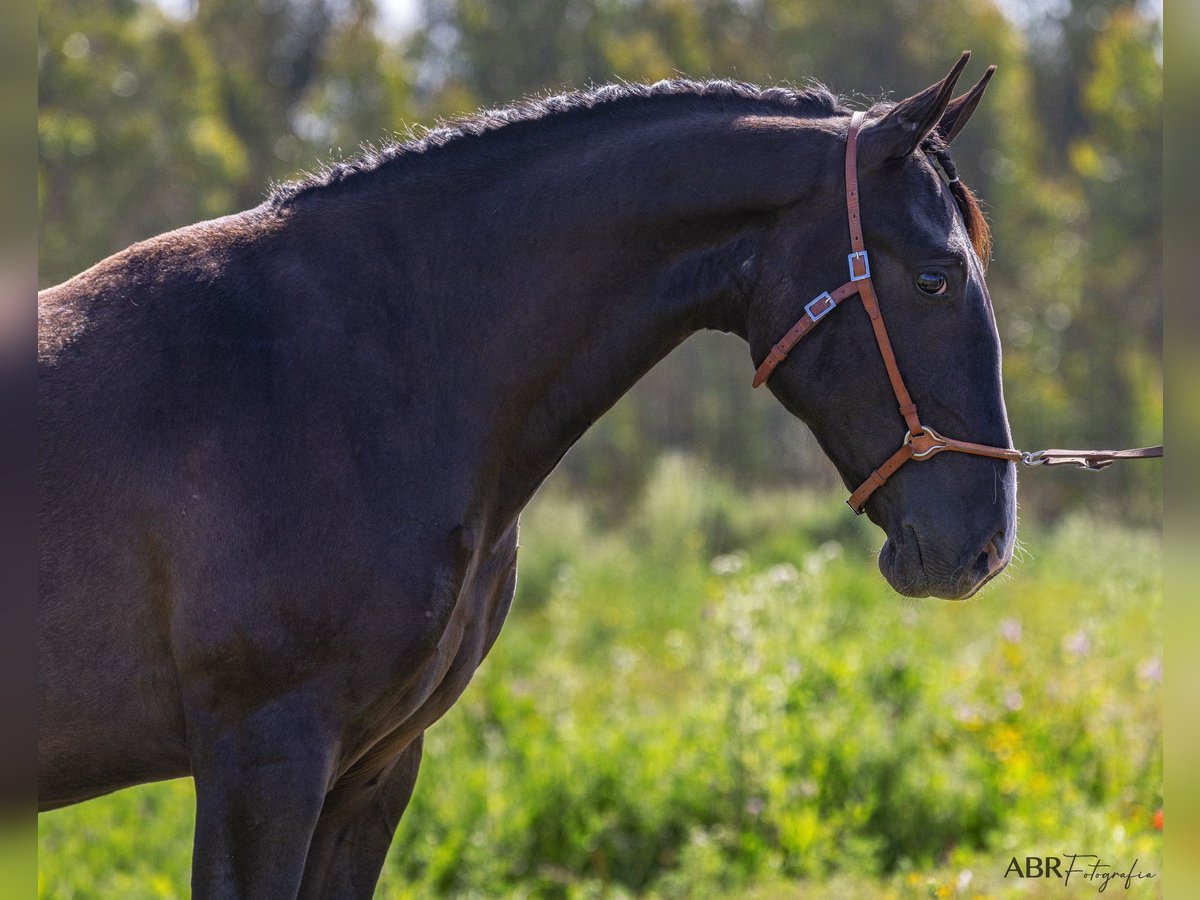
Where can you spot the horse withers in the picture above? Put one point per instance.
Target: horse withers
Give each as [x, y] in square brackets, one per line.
[283, 453]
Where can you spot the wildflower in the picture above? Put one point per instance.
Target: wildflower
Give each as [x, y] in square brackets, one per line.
[1077, 644]
[728, 563]
[1151, 670]
[1010, 630]
[1158, 818]
[782, 574]
[968, 716]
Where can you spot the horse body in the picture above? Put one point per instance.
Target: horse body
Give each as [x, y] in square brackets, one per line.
[284, 453]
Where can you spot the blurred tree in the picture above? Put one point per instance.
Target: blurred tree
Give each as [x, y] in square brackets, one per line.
[1113, 346]
[132, 139]
[147, 122]
[267, 55]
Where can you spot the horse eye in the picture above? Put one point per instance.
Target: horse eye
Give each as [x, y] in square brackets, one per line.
[932, 282]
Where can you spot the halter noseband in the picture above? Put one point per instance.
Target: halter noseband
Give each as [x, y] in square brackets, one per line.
[921, 442]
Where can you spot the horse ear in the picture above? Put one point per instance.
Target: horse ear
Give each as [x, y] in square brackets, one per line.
[959, 110]
[899, 132]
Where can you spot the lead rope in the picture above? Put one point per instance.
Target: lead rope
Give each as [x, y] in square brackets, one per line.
[921, 442]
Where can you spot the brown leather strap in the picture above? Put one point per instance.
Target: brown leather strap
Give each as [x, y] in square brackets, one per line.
[1090, 459]
[908, 409]
[814, 311]
[856, 236]
[926, 444]
[866, 290]
[930, 443]
[879, 477]
[976, 449]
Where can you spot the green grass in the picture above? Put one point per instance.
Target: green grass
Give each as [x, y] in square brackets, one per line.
[720, 697]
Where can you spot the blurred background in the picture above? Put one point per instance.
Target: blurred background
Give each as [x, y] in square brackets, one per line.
[705, 689]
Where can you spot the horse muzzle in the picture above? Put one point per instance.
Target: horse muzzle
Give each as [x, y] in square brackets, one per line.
[914, 568]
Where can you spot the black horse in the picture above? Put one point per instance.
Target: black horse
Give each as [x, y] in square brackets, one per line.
[283, 453]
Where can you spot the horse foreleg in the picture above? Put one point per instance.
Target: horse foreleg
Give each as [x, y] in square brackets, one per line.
[260, 787]
[352, 840]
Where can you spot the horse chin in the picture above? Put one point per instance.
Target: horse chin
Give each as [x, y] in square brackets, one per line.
[898, 571]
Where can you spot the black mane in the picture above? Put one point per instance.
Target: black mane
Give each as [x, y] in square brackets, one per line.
[815, 100]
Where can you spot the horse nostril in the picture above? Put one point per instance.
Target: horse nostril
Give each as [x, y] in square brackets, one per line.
[991, 560]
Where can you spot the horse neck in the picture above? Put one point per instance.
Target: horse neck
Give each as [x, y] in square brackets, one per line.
[569, 268]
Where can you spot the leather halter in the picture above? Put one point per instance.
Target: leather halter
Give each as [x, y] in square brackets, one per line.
[921, 442]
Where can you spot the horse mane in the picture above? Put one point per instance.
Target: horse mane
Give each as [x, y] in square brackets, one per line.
[813, 101]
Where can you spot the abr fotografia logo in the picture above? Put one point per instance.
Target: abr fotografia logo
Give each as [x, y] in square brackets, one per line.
[1082, 866]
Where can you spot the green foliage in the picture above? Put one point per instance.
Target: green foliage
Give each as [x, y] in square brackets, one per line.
[719, 697]
[135, 845]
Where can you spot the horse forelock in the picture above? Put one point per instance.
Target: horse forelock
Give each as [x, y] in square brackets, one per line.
[978, 229]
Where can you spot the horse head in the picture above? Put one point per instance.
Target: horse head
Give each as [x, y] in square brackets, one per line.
[950, 520]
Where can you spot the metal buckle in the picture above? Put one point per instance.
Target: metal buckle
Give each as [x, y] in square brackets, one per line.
[822, 297]
[939, 442]
[1034, 458]
[866, 264]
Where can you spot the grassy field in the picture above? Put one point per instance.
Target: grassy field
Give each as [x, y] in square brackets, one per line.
[719, 697]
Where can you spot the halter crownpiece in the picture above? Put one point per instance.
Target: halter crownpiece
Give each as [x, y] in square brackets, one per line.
[921, 442]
